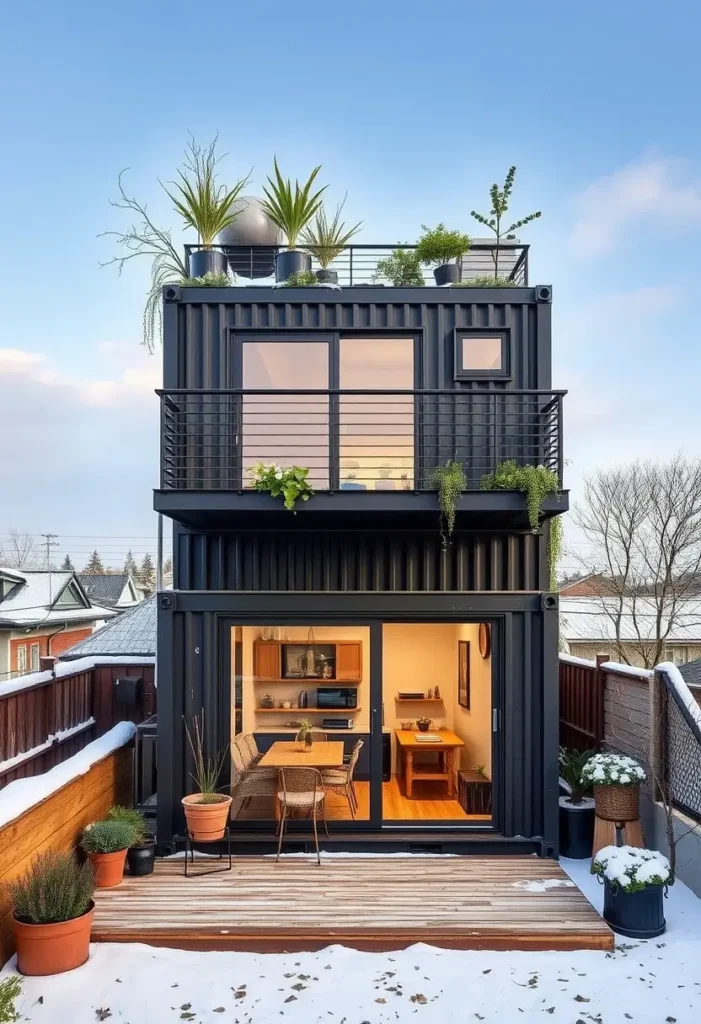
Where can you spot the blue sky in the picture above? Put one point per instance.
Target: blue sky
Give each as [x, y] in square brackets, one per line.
[414, 109]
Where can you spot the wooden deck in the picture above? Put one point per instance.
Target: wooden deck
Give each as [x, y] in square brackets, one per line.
[378, 903]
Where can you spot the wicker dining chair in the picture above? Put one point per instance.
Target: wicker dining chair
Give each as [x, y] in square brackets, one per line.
[247, 780]
[318, 736]
[340, 780]
[250, 742]
[300, 789]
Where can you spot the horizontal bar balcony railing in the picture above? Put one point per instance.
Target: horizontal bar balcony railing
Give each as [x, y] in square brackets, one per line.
[358, 440]
[357, 265]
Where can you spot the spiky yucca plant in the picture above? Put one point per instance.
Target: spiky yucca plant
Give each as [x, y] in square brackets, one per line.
[55, 888]
[327, 239]
[108, 836]
[207, 769]
[291, 209]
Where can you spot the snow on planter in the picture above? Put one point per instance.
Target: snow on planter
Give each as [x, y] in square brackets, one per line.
[612, 770]
[632, 869]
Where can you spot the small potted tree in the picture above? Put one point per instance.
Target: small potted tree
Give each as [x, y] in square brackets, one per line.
[52, 914]
[326, 239]
[207, 810]
[291, 209]
[106, 844]
[634, 884]
[441, 249]
[616, 780]
[576, 809]
[141, 855]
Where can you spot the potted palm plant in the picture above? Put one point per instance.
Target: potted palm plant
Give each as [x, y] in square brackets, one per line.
[207, 810]
[52, 914]
[141, 855]
[576, 809]
[635, 882]
[441, 249]
[326, 239]
[616, 780]
[106, 844]
[291, 209]
[205, 205]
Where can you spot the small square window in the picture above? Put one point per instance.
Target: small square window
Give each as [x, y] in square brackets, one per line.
[481, 354]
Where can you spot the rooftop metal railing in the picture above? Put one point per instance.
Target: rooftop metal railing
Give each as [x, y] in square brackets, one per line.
[361, 440]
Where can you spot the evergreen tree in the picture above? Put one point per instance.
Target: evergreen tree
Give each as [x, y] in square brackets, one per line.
[94, 566]
[147, 572]
[167, 566]
[67, 564]
[130, 567]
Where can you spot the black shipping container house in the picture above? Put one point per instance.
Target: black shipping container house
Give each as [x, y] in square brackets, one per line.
[350, 611]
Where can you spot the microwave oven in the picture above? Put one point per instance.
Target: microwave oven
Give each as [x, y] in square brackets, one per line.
[336, 697]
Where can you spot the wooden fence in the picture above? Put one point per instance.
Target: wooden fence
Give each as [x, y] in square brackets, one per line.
[55, 824]
[44, 723]
[582, 703]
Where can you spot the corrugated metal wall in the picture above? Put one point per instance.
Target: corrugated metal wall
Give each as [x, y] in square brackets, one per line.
[367, 560]
[200, 355]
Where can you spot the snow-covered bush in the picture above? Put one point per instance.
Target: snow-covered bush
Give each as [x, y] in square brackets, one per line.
[631, 868]
[612, 770]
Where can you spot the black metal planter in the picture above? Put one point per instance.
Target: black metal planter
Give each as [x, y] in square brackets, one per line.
[576, 830]
[141, 859]
[449, 273]
[325, 276]
[207, 261]
[638, 915]
[291, 261]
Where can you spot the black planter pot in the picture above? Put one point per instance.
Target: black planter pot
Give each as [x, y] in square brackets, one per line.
[141, 859]
[324, 276]
[291, 261]
[576, 829]
[639, 915]
[449, 273]
[207, 261]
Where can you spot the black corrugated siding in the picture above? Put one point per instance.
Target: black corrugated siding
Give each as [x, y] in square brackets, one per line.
[370, 561]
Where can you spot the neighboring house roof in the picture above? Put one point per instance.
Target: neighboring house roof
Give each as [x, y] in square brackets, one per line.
[691, 673]
[41, 597]
[132, 632]
[591, 619]
[113, 590]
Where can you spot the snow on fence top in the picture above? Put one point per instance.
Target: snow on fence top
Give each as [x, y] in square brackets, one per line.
[628, 670]
[71, 668]
[571, 659]
[678, 683]
[22, 794]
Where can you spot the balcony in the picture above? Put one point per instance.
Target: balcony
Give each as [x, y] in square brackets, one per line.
[366, 450]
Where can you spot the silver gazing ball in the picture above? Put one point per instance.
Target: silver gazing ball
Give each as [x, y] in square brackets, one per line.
[252, 225]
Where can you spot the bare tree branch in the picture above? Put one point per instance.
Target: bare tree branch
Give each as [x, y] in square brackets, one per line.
[20, 551]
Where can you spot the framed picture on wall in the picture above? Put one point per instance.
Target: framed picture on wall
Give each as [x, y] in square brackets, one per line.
[464, 674]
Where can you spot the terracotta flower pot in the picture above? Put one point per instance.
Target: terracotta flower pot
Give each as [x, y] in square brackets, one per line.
[206, 822]
[53, 948]
[108, 868]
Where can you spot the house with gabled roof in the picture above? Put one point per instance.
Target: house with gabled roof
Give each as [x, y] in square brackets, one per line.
[112, 590]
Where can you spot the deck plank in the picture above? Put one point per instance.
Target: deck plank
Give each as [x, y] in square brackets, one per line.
[379, 903]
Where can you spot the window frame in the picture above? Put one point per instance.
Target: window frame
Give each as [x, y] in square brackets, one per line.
[36, 647]
[475, 333]
[22, 653]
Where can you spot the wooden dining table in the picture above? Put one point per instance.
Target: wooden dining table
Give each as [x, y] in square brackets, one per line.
[287, 754]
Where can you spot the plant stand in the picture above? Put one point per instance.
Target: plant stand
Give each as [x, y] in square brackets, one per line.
[190, 853]
[607, 833]
[474, 793]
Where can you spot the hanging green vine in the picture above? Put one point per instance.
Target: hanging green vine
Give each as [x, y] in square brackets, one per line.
[450, 481]
[537, 482]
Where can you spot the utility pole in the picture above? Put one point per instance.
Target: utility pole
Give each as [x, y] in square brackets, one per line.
[51, 541]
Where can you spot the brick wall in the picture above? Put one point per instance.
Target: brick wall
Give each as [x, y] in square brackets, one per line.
[59, 643]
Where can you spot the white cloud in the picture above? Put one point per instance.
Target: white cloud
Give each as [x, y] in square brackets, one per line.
[657, 190]
[125, 385]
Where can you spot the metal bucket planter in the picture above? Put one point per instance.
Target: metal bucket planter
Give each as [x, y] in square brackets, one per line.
[617, 803]
[449, 273]
[291, 261]
[207, 261]
[638, 915]
[576, 828]
[142, 858]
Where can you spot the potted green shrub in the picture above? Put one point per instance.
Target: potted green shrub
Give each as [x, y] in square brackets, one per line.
[635, 882]
[141, 855]
[289, 483]
[106, 844]
[326, 239]
[207, 810]
[450, 481]
[52, 912]
[616, 780]
[291, 210]
[576, 809]
[402, 269]
[441, 249]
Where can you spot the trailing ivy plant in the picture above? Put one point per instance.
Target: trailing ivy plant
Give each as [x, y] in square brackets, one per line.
[290, 483]
[402, 269]
[536, 482]
[450, 481]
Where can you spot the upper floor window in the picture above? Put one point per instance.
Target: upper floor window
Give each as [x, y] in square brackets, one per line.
[481, 354]
[22, 658]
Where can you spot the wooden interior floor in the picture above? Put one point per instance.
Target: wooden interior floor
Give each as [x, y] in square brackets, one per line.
[372, 903]
[429, 803]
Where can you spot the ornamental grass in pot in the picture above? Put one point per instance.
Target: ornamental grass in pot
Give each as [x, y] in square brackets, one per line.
[52, 914]
[326, 240]
[207, 810]
[141, 855]
[576, 809]
[291, 209]
[616, 780]
[106, 844]
[635, 882]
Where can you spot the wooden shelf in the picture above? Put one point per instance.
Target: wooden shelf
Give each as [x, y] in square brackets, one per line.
[419, 700]
[335, 683]
[319, 711]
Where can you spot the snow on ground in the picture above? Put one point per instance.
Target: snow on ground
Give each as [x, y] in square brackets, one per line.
[656, 981]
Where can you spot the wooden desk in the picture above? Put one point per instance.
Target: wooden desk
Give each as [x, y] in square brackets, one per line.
[286, 754]
[407, 745]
